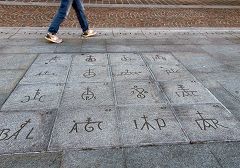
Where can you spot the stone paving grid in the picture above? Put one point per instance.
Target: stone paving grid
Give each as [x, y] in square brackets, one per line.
[143, 152]
[41, 16]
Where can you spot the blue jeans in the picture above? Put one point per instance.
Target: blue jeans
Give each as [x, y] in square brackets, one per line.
[64, 10]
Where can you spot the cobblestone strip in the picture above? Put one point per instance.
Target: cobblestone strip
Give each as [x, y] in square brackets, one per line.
[41, 16]
[156, 2]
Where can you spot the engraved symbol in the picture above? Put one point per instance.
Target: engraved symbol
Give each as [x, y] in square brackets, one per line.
[160, 123]
[90, 58]
[158, 57]
[4, 133]
[52, 60]
[140, 92]
[205, 123]
[88, 125]
[183, 92]
[88, 95]
[171, 70]
[127, 59]
[89, 73]
[36, 97]
[45, 73]
[127, 72]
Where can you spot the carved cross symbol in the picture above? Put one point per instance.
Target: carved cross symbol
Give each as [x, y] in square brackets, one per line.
[205, 123]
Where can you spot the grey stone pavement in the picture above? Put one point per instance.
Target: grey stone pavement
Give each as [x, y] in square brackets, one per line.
[142, 97]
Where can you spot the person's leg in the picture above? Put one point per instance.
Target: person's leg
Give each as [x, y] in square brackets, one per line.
[60, 16]
[79, 9]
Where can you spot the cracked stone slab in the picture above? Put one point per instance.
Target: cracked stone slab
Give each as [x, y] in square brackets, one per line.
[208, 122]
[148, 125]
[36, 160]
[138, 93]
[85, 128]
[90, 59]
[171, 72]
[125, 59]
[161, 58]
[16, 61]
[45, 74]
[25, 131]
[34, 97]
[53, 59]
[89, 74]
[87, 94]
[129, 72]
[187, 92]
[103, 158]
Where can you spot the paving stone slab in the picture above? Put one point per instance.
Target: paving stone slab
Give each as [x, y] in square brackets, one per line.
[25, 131]
[81, 128]
[175, 156]
[130, 48]
[227, 154]
[149, 125]
[218, 49]
[170, 72]
[103, 158]
[126, 59]
[45, 74]
[30, 35]
[130, 42]
[129, 72]
[16, 61]
[53, 59]
[29, 49]
[232, 85]
[34, 97]
[138, 93]
[89, 74]
[5, 35]
[76, 48]
[128, 34]
[88, 94]
[208, 122]
[90, 59]
[187, 92]
[229, 101]
[36, 160]
[24, 42]
[160, 58]
[3, 98]
[9, 79]
[193, 60]
[93, 45]
[178, 48]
